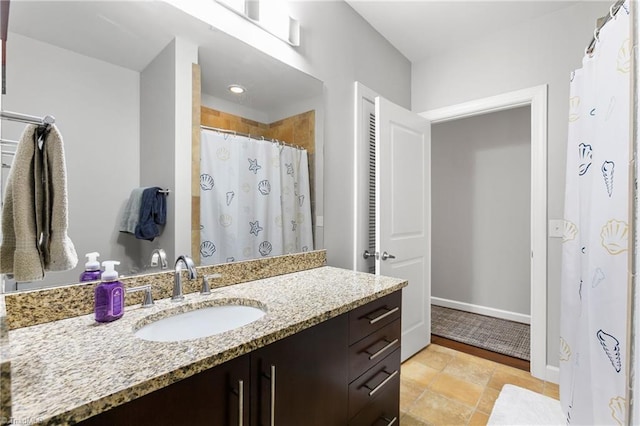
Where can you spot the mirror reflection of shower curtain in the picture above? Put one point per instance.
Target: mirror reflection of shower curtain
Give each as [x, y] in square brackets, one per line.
[254, 199]
[593, 322]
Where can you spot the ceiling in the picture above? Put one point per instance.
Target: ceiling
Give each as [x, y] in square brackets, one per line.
[132, 33]
[423, 28]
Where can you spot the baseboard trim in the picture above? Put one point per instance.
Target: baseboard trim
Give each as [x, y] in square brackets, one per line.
[482, 310]
[482, 353]
[553, 374]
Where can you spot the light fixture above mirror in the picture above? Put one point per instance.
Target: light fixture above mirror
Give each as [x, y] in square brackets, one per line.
[270, 15]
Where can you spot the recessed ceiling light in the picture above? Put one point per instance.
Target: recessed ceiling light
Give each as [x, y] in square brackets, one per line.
[237, 89]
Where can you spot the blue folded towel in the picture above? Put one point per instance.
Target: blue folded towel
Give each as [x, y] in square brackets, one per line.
[153, 212]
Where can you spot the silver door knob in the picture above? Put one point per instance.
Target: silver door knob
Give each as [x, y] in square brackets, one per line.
[367, 255]
[386, 256]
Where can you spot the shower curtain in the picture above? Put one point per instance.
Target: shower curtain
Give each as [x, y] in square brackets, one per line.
[593, 323]
[254, 198]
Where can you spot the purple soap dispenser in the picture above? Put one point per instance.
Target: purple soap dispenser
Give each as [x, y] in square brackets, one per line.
[91, 268]
[109, 294]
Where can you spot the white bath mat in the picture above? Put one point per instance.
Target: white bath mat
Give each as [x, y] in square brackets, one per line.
[518, 406]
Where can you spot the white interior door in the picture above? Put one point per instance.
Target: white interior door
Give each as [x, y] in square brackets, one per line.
[403, 215]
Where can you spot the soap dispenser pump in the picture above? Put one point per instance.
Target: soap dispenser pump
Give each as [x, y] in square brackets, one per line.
[91, 268]
[109, 294]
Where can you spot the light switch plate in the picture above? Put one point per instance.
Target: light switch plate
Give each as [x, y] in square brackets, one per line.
[556, 228]
[319, 220]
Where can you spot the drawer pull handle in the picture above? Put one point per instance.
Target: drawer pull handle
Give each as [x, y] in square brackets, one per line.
[240, 401]
[384, 382]
[272, 380]
[273, 395]
[386, 314]
[390, 421]
[381, 351]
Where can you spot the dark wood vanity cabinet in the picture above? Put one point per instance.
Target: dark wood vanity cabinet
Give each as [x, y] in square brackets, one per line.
[374, 362]
[310, 371]
[208, 398]
[343, 371]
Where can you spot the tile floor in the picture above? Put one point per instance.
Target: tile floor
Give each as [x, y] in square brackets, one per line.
[441, 386]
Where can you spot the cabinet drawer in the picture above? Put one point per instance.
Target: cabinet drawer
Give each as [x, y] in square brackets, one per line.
[384, 410]
[370, 317]
[368, 351]
[383, 376]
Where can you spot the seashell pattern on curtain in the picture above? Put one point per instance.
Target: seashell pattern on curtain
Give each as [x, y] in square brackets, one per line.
[254, 199]
[593, 322]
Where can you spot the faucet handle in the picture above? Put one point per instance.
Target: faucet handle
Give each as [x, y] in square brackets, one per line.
[148, 297]
[206, 289]
[159, 256]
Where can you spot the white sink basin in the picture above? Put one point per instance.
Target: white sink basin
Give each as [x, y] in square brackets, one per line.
[202, 322]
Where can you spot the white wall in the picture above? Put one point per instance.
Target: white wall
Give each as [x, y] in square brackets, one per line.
[165, 140]
[481, 189]
[157, 137]
[339, 47]
[186, 56]
[96, 106]
[541, 51]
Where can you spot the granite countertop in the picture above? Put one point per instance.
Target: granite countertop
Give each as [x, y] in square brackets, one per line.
[68, 370]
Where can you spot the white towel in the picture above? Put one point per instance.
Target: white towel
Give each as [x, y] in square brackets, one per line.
[518, 406]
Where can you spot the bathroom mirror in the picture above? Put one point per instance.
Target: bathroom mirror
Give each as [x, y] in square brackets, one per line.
[82, 62]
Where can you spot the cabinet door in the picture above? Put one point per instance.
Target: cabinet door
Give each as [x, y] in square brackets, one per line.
[207, 398]
[303, 379]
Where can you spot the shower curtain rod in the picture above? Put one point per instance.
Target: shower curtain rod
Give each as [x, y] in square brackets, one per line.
[261, 138]
[601, 23]
[24, 118]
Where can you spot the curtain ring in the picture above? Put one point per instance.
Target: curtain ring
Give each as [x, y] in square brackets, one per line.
[596, 34]
[611, 13]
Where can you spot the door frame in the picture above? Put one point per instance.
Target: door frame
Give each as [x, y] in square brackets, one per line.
[536, 98]
[362, 94]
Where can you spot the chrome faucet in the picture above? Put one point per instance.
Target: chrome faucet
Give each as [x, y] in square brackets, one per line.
[159, 255]
[177, 280]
